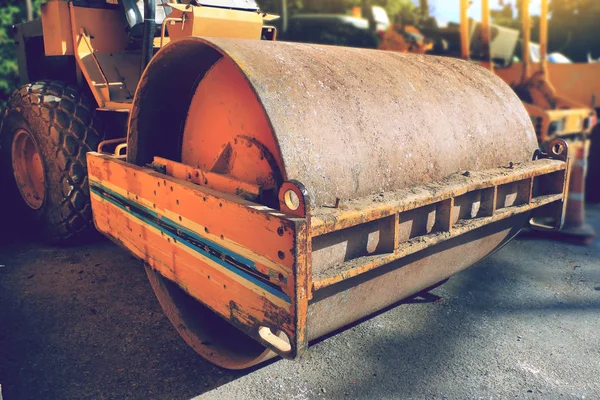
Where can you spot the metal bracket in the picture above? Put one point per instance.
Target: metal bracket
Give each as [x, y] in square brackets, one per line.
[556, 149]
[293, 199]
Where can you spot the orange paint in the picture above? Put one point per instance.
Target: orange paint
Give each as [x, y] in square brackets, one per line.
[264, 237]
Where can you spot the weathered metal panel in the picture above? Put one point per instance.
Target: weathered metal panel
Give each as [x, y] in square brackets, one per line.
[237, 257]
[354, 298]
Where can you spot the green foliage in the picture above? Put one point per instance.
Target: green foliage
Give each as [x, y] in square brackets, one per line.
[575, 28]
[401, 11]
[325, 6]
[274, 6]
[506, 17]
[9, 75]
[13, 12]
[404, 11]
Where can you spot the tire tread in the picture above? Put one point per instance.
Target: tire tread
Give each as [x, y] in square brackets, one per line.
[68, 121]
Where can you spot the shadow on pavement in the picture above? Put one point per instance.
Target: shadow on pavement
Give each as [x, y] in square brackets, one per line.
[83, 323]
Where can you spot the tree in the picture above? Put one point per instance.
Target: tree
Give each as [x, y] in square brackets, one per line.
[13, 12]
[401, 11]
[405, 11]
[506, 17]
[29, 7]
[574, 28]
[325, 6]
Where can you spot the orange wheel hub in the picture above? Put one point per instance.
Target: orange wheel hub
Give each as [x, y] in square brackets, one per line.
[28, 169]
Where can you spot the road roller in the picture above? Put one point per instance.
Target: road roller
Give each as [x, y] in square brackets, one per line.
[276, 192]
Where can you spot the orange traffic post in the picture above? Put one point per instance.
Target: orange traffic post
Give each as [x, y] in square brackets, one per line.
[464, 30]
[575, 226]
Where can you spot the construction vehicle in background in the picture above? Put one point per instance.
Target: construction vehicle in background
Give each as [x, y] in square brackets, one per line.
[553, 115]
[275, 191]
[579, 82]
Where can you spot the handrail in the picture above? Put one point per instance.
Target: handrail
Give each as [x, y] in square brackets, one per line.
[85, 38]
[164, 25]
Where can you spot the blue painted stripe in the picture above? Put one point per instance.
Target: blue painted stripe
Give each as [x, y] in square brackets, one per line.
[241, 259]
[100, 190]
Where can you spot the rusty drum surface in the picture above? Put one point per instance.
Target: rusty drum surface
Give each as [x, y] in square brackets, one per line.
[345, 122]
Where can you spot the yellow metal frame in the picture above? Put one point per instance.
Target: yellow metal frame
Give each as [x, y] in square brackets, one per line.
[213, 22]
[575, 118]
[100, 42]
[486, 31]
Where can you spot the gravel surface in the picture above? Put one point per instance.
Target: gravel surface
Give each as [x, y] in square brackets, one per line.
[83, 323]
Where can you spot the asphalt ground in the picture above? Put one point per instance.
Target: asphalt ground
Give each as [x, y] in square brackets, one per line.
[83, 323]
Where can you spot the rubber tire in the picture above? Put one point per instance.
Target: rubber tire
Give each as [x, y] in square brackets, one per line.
[62, 122]
[592, 186]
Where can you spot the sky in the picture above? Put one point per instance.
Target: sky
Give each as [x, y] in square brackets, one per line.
[448, 10]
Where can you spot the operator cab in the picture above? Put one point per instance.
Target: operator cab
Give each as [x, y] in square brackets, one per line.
[134, 11]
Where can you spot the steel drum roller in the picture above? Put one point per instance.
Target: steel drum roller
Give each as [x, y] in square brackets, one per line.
[347, 123]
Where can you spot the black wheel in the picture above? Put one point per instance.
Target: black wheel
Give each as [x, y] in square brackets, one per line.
[592, 187]
[46, 131]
